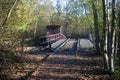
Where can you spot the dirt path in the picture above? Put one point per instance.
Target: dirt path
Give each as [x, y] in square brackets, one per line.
[66, 66]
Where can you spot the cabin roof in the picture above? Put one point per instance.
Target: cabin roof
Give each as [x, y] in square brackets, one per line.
[53, 26]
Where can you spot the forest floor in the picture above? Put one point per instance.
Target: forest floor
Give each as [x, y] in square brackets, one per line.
[66, 65]
[86, 66]
[19, 67]
[60, 65]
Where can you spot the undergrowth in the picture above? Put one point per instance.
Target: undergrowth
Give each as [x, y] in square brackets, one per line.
[117, 74]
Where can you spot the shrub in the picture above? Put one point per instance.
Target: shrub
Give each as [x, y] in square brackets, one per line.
[117, 74]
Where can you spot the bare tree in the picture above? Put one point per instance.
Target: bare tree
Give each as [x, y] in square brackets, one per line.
[8, 16]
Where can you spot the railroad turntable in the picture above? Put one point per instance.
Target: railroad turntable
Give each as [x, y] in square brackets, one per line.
[65, 65]
[68, 59]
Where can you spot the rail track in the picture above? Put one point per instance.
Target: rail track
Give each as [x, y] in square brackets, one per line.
[61, 46]
[63, 64]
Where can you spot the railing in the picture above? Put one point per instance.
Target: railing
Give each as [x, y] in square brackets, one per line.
[54, 37]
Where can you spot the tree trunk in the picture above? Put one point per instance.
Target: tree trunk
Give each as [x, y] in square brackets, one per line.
[36, 24]
[119, 32]
[104, 38]
[35, 31]
[22, 46]
[112, 38]
[108, 34]
[116, 44]
[65, 26]
[96, 28]
[8, 16]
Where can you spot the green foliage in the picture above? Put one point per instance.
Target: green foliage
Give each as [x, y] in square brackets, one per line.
[117, 74]
[78, 16]
[20, 16]
[5, 6]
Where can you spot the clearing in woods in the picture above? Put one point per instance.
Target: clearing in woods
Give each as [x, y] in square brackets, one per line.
[64, 65]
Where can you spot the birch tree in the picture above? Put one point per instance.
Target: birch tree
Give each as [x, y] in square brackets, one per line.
[112, 38]
[109, 35]
[104, 37]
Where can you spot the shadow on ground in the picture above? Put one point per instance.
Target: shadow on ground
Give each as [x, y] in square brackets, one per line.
[66, 66]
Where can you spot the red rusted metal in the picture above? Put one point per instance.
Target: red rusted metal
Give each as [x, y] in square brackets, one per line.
[54, 33]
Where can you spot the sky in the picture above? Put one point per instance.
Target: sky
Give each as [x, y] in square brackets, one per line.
[54, 2]
[63, 2]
